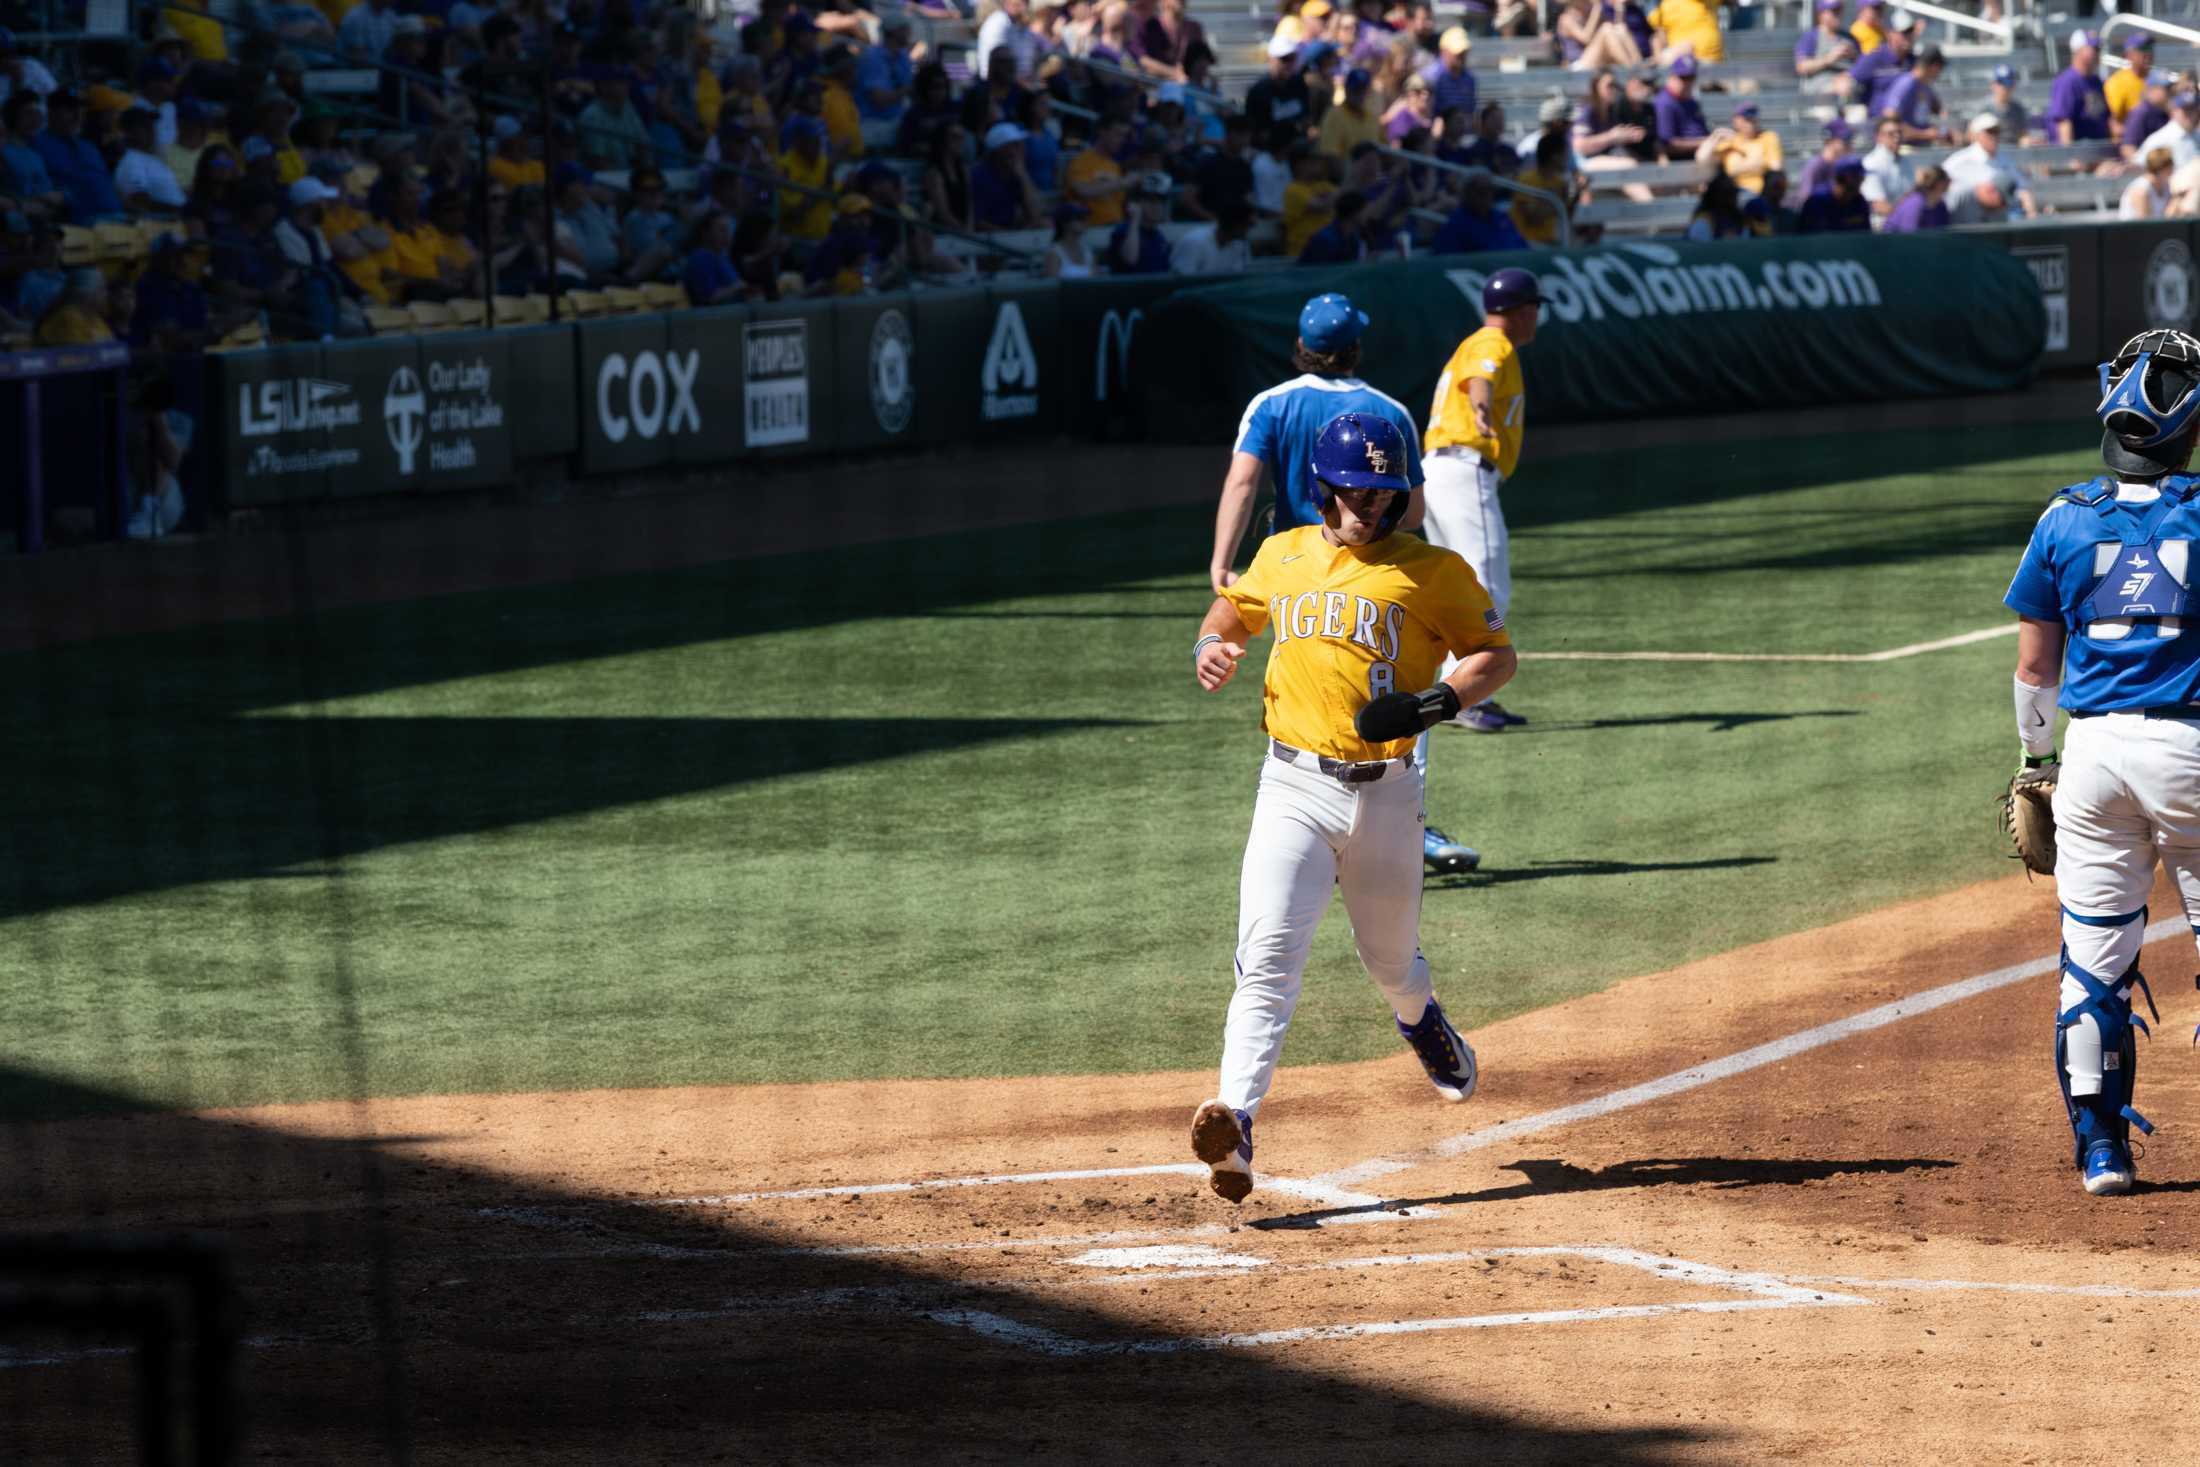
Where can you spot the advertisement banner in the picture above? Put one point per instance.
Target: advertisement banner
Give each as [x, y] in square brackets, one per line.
[706, 348]
[636, 397]
[463, 391]
[1020, 385]
[1100, 321]
[540, 408]
[788, 364]
[1641, 328]
[277, 413]
[2149, 280]
[875, 378]
[370, 452]
[953, 325]
[2066, 266]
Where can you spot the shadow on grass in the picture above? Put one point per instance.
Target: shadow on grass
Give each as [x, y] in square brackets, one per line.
[1547, 870]
[399, 1309]
[1711, 722]
[186, 800]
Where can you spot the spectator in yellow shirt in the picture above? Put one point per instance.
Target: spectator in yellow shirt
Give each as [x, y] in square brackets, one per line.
[1352, 121]
[201, 33]
[806, 216]
[1689, 24]
[843, 123]
[710, 97]
[1095, 178]
[1309, 199]
[79, 317]
[1867, 32]
[2124, 88]
[1536, 220]
[510, 164]
[1746, 151]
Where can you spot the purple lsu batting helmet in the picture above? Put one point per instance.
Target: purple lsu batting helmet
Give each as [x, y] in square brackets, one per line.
[1508, 288]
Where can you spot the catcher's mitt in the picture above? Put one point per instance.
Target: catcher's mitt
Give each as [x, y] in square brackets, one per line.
[2028, 814]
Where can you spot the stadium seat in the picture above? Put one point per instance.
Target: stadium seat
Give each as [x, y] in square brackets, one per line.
[390, 320]
[469, 313]
[251, 334]
[665, 297]
[514, 310]
[431, 316]
[79, 246]
[624, 300]
[587, 304]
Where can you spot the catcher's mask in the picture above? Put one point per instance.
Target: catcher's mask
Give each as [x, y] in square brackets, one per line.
[2150, 404]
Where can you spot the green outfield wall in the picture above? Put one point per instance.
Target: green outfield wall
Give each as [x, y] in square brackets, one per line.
[1633, 329]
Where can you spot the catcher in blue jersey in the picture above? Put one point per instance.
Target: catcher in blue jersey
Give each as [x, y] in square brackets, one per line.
[2107, 631]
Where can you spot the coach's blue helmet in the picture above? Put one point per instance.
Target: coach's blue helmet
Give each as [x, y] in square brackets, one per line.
[1509, 288]
[2150, 403]
[1331, 322]
[1362, 451]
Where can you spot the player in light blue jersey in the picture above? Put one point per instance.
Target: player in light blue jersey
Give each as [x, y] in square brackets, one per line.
[2107, 630]
[1277, 434]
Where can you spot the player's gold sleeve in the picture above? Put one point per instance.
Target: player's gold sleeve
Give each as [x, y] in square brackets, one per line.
[1463, 612]
[1248, 594]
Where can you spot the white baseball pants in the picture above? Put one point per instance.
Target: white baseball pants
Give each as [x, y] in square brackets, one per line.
[1312, 834]
[1463, 515]
[2128, 795]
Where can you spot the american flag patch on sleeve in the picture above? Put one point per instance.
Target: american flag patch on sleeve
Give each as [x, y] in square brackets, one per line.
[1494, 619]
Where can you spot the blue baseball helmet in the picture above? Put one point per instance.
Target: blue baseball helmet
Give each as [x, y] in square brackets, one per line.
[2150, 403]
[1362, 451]
[1513, 287]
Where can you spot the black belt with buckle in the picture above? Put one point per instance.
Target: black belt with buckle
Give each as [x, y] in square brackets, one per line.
[2166, 710]
[1343, 770]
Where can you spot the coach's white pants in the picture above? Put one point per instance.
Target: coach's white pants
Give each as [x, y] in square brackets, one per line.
[2128, 794]
[1463, 515]
[1312, 834]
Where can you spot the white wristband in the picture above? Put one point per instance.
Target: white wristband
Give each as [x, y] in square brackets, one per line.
[2036, 717]
[1201, 646]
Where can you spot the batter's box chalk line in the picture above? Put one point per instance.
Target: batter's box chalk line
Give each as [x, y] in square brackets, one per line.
[1740, 1292]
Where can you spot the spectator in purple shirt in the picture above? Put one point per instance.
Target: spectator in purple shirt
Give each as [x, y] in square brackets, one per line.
[1817, 174]
[1924, 207]
[1681, 125]
[1450, 83]
[1001, 195]
[1912, 102]
[1841, 207]
[1870, 78]
[2149, 115]
[1823, 55]
[2077, 109]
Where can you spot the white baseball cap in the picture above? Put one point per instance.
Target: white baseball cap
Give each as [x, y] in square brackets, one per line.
[1901, 20]
[1280, 46]
[1986, 122]
[1001, 134]
[2082, 39]
[310, 190]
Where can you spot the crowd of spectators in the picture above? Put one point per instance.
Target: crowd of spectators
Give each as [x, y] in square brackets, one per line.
[804, 149]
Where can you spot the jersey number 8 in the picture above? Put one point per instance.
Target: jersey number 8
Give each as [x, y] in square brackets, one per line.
[1382, 678]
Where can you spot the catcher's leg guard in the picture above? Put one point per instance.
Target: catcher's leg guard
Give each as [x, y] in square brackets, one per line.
[2100, 1108]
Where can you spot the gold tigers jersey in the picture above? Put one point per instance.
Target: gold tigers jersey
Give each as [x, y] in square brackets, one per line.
[1488, 355]
[1354, 622]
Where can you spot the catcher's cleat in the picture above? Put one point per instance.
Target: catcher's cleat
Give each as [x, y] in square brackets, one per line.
[1447, 1057]
[2108, 1170]
[1442, 854]
[1223, 1138]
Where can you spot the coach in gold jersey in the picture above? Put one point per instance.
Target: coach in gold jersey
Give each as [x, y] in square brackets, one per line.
[1475, 428]
[1362, 616]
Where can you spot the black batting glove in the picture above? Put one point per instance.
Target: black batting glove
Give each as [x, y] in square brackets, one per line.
[1403, 715]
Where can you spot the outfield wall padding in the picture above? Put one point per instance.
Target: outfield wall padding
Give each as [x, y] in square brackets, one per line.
[1639, 329]
[1633, 329]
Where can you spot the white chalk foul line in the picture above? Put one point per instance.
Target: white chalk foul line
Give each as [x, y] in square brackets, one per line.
[1760, 1291]
[1306, 1191]
[1681, 1081]
[1891, 654]
[2082, 1291]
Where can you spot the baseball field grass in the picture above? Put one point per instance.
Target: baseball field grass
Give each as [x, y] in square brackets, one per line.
[954, 806]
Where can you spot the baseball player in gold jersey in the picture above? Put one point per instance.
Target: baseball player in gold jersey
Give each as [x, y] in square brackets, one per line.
[1475, 429]
[1361, 614]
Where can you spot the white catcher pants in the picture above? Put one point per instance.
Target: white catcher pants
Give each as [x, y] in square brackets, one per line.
[2128, 795]
[1312, 834]
[1463, 515]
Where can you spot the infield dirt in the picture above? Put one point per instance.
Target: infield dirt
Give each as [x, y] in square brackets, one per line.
[550, 1296]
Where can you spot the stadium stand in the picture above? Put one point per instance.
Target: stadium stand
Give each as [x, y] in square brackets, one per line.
[234, 172]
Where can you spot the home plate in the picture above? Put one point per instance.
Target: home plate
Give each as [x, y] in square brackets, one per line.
[1165, 1255]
